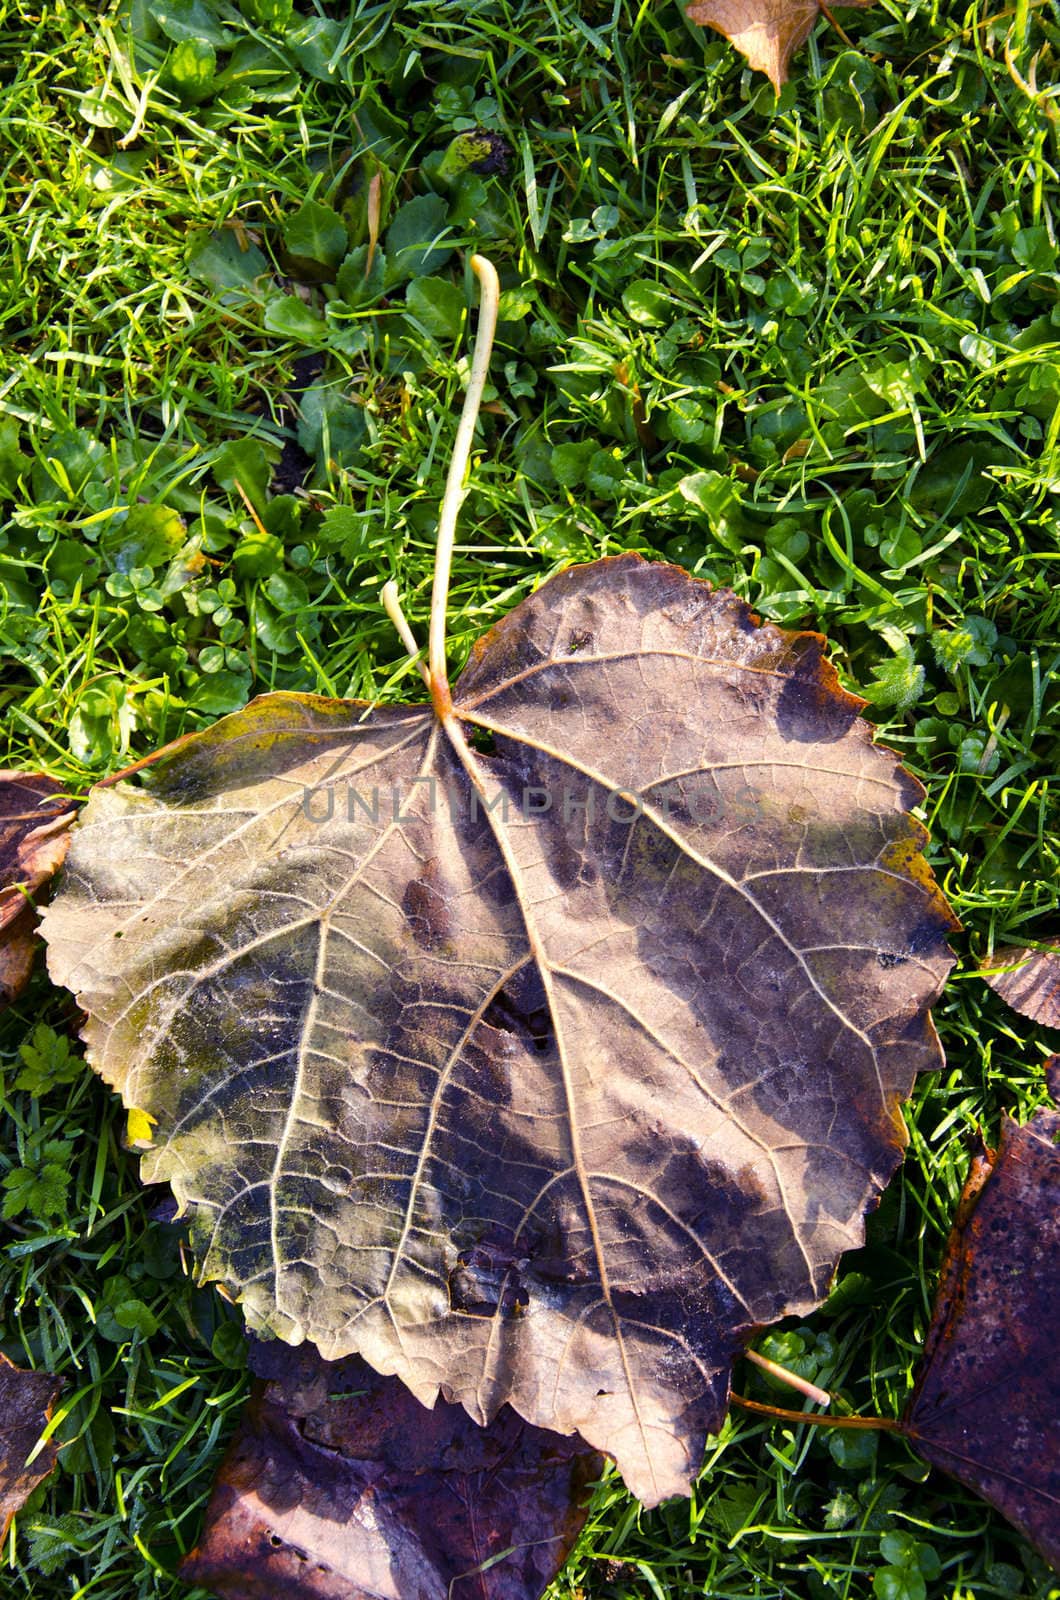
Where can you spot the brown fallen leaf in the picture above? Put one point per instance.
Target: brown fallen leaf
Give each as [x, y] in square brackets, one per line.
[986, 1408]
[338, 1485]
[34, 837]
[534, 1044]
[767, 32]
[26, 1400]
[522, 1069]
[1028, 980]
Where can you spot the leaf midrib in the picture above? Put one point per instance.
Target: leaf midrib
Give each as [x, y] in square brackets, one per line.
[471, 766]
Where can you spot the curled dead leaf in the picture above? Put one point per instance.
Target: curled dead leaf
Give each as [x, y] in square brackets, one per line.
[338, 1485]
[26, 1401]
[34, 837]
[985, 1406]
[767, 32]
[1028, 980]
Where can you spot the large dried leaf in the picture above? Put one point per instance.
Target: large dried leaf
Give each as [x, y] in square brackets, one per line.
[767, 32]
[1029, 981]
[338, 1485]
[26, 1400]
[548, 1103]
[985, 1407]
[33, 843]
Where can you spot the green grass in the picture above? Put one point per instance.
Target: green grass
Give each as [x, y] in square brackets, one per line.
[807, 347]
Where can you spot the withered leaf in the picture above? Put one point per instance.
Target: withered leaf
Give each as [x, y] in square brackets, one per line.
[1028, 980]
[26, 1400]
[338, 1485]
[767, 32]
[33, 842]
[539, 1053]
[985, 1406]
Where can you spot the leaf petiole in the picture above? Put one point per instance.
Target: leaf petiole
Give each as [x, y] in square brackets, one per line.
[875, 1424]
[792, 1379]
[392, 607]
[437, 680]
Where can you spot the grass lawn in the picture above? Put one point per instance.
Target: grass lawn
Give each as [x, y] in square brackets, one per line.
[807, 346]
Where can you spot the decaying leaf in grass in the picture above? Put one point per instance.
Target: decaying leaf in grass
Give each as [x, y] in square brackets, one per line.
[537, 1050]
[767, 32]
[26, 1400]
[338, 1484]
[986, 1407]
[34, 836]
[1028, 980]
